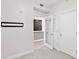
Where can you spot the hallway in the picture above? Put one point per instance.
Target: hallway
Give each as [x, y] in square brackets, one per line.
[45, 53]
[30, 29]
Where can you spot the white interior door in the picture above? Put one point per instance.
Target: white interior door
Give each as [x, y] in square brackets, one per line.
[68, 32]
[49, 32]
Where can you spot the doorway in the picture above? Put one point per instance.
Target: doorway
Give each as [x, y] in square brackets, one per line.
[45, 35]
[38, 23]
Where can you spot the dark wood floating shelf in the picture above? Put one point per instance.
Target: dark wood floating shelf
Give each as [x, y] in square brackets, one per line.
[12, 24]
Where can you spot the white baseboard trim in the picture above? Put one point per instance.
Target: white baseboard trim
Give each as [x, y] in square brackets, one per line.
[59, 49]
[18, 55]
[38, 40]
[68, 53]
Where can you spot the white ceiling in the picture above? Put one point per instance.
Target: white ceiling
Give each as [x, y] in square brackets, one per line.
[45, 10]
[47, 3]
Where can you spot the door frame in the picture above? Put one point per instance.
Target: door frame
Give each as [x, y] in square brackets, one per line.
[52, 42]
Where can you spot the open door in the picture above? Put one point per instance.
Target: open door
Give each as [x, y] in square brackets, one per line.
[48, 41]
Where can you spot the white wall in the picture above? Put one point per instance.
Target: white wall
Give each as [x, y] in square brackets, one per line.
[64, 6]
[17, 40]
[68, 26]
[39, 14]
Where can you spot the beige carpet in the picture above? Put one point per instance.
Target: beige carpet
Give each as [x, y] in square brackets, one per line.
[45, 53]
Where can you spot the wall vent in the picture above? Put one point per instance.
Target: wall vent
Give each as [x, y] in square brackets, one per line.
[41, 5]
